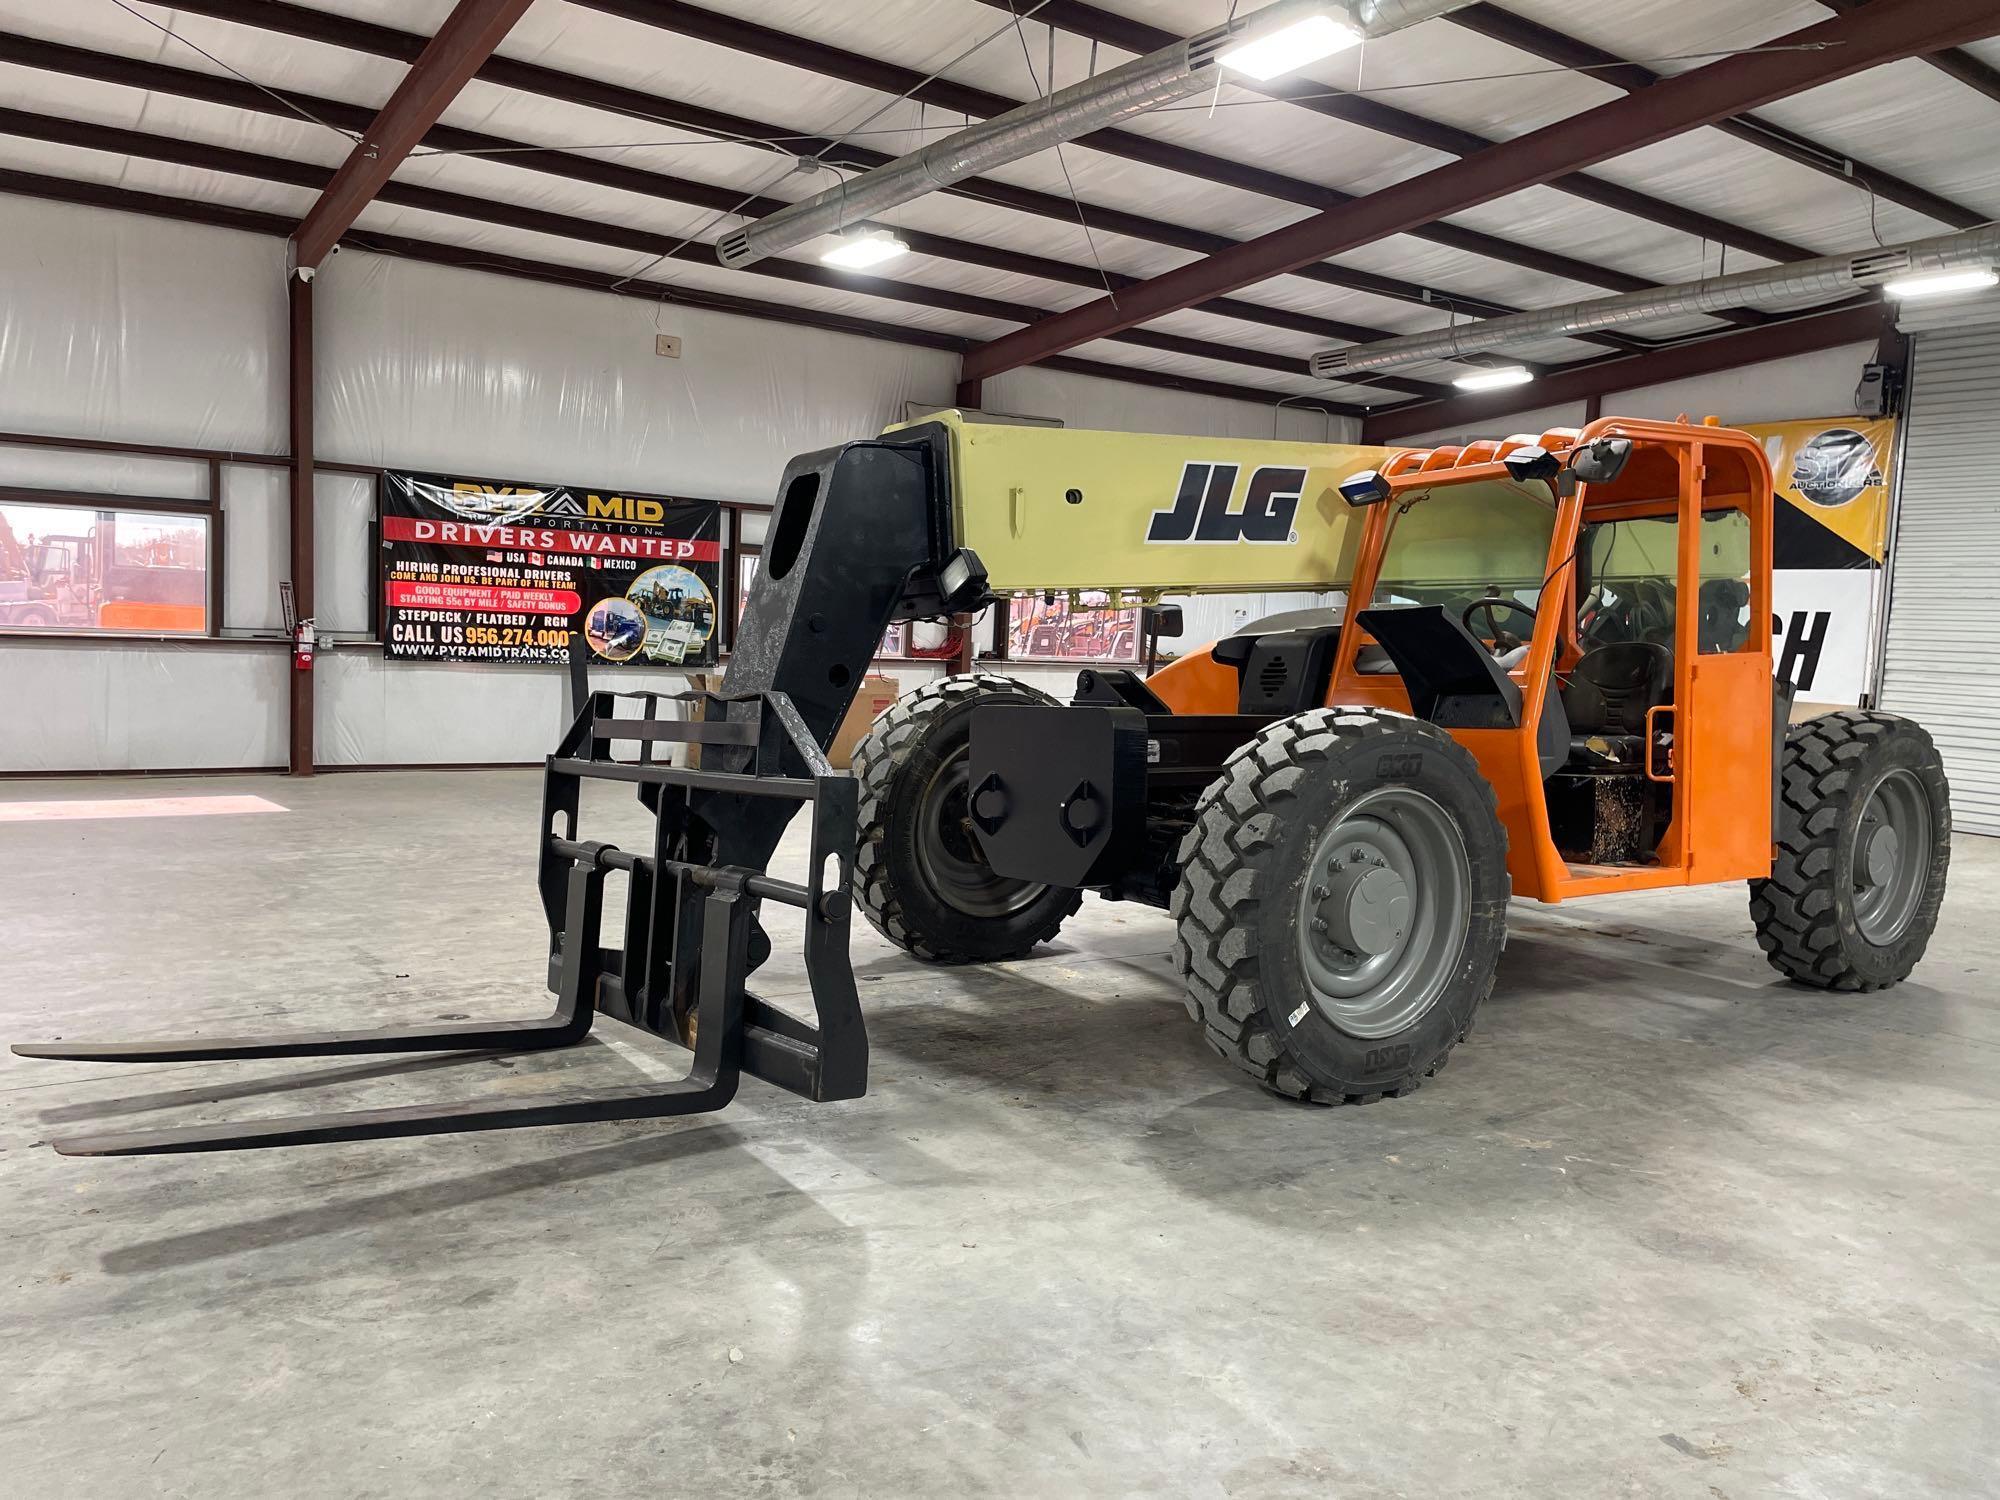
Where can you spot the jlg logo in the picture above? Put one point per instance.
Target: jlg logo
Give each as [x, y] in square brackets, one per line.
[1201, 513]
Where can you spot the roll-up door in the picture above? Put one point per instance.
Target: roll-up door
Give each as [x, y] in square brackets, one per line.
[1941, 663]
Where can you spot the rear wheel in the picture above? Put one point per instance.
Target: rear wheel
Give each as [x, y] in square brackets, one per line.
[1342, 904]
[919, 874]
[1864, 842]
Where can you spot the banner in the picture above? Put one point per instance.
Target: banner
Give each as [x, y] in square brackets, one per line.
[1829, 535]
[481, 572]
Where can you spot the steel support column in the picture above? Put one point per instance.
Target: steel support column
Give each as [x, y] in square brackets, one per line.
[299, 407]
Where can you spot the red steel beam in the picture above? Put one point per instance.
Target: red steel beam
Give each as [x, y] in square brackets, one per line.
[299, 419]
[467, 38]
[595, 93]
[1597, 378]
[256, 221]
[1884, 31]
[255, 165]
[872, 72]
[1400, 124]
[1954, 62]
[1558, 47]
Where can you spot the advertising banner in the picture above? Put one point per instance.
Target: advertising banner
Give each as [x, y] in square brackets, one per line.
[1829, 536]
[475, 571]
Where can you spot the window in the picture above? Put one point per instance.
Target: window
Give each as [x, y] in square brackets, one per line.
[78, 567]
[1463, 542]
[1628, 581]
[1042, 629]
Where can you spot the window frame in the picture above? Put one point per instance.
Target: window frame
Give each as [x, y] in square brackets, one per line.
[214, 554]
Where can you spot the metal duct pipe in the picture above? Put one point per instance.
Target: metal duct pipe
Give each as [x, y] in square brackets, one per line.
[1176, 72]
[1825, 279]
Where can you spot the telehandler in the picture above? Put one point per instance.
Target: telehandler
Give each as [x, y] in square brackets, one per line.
[1548, 674]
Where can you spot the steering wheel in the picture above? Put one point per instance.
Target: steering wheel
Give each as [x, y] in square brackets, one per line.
[1503, 640]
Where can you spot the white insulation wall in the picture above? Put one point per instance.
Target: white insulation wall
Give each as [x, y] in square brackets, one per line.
[134, 329]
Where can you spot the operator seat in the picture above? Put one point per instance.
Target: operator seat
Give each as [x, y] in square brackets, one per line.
[1606, 698]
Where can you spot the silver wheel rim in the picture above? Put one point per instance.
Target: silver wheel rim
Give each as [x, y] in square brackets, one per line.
[1383, 912]
[1891, 857]
[949, 856]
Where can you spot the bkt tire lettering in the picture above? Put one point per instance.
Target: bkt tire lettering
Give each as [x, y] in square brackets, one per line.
[1201, 513]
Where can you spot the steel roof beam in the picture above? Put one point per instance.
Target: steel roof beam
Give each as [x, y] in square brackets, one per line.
[1628, 372]
[261, 167]
[383, 41]
[1885, 31]
[873, 73]
[467, 38]
[1545, 42]
[100, 195]
[1128, 35]
[1954, 62]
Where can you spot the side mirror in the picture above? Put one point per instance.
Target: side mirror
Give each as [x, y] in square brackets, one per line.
[1366, 488]
[1602, 461]
[1164, 620]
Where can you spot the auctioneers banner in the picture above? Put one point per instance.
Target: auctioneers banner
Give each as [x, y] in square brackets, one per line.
[475, 571]
[1829, 536]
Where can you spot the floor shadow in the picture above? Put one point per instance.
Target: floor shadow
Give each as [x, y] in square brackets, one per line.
[251, 1088]
[344, 1215]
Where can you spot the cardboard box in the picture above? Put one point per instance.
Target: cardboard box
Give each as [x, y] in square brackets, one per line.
[876, 694]
[705, 682]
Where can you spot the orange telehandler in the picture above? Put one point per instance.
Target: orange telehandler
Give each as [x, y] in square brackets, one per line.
[1550, 676]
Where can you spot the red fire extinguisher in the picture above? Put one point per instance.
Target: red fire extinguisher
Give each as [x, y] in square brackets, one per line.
[302, 646]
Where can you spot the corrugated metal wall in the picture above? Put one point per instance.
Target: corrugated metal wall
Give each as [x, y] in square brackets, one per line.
[1942, 662]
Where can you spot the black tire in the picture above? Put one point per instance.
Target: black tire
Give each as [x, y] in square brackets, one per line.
[904, 768]
[1823, 917]
[1246, 866]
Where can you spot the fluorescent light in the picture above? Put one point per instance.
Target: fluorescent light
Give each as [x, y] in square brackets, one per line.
[1298, 45]
[856, 252]
[1493, 380]
[1937, 283]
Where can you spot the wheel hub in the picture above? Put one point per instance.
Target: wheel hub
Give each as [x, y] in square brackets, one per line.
[1383, 911]
[948, 852]
[1880, 855]
[1892, 856]
[1367, 907]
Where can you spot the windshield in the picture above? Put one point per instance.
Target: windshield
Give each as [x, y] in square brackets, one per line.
[1487, 539]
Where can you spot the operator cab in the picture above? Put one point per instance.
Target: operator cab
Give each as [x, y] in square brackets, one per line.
[1561, 592]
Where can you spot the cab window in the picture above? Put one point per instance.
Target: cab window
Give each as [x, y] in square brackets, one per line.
[1628, 581]
[1480, 549]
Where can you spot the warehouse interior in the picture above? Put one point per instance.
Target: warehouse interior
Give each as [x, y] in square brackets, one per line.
[390, 392]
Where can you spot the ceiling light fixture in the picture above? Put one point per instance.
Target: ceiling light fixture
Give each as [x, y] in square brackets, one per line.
[857, 252]
[1493, 380]
[1937, 283]
[1298, 45]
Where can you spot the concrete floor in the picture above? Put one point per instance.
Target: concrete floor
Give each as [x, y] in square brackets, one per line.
[1665, 1227]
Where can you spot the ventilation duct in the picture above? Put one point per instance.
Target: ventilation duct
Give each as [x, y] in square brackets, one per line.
[1804, 282]
[1176, 72]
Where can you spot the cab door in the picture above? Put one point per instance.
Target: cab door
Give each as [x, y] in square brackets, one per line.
[1727, 714]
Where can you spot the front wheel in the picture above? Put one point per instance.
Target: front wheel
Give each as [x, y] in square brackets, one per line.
[1342, 904]
[919, 874]
[1864, 841]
